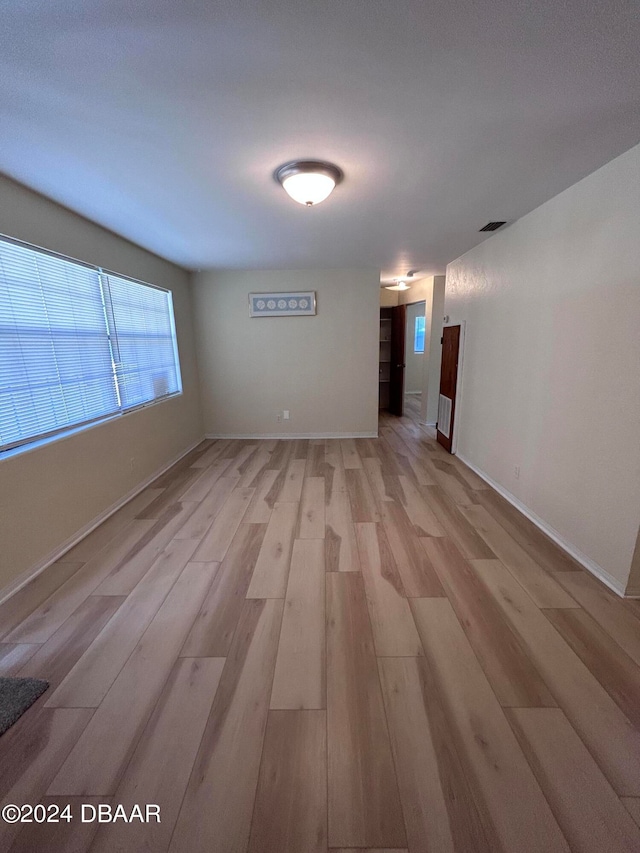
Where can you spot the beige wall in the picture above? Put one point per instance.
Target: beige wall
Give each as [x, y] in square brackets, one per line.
[50, 493]
[388, 298]
[323, 369]
[414, 361]
[551, 369]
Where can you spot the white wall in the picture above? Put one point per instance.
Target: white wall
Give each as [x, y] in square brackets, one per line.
[434, 344]
[551, 372]
[50, 493]
[414, 361]
[323, 369]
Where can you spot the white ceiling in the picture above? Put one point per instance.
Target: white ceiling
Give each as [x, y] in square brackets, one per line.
[164, 119]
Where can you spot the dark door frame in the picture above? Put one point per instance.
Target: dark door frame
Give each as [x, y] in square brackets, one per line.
[397, 365]
[458, 397]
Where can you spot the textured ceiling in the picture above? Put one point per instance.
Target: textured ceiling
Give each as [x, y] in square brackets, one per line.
[164, 121]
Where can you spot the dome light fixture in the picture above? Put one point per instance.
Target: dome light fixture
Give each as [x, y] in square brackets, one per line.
[399, 284]
[309, 181]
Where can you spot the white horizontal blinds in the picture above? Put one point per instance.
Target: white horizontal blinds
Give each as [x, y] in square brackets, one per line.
[144, 341]
[77, 344]
[56, 369]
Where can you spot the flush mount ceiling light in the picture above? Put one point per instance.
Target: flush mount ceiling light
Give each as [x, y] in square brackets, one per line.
[399, 284]
[309, 181]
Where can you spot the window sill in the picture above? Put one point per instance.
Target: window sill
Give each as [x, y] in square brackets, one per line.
[38, 443]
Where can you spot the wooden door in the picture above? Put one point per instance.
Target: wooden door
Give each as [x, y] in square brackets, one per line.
[396, 372]
[448, 384]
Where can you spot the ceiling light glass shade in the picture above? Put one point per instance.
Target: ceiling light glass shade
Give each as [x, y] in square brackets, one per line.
[309, 181]
[309, 188]
[401, 285]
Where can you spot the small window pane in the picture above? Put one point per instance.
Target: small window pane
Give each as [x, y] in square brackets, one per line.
[418, 339]
[145, 346]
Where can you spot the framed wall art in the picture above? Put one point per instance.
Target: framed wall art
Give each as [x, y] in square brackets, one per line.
[300, 303]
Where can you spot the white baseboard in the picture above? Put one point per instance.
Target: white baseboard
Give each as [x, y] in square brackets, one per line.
[285, 435]
[589, 564]
[25, 577]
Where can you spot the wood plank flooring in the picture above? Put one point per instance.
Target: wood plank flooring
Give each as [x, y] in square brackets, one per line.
[335, 646]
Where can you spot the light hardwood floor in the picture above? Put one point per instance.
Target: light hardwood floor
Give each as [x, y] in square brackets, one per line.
[311, 646]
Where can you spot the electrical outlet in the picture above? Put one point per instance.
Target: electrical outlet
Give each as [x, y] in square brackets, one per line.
[278, 417]
[517, 472]
[286, 414]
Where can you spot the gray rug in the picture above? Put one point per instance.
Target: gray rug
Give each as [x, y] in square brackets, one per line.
[16, 695]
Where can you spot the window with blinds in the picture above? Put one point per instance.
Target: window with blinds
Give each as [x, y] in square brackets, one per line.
[77, 344]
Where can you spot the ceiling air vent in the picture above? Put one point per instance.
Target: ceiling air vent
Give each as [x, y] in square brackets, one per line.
[493, 226]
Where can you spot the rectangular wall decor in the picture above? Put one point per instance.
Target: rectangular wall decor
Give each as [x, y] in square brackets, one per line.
[300, 303]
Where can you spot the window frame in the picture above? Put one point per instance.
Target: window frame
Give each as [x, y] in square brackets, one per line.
[35, 441]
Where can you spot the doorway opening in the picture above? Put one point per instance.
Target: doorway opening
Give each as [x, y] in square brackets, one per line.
[414, 356]
[391, 378]
[403, 345]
